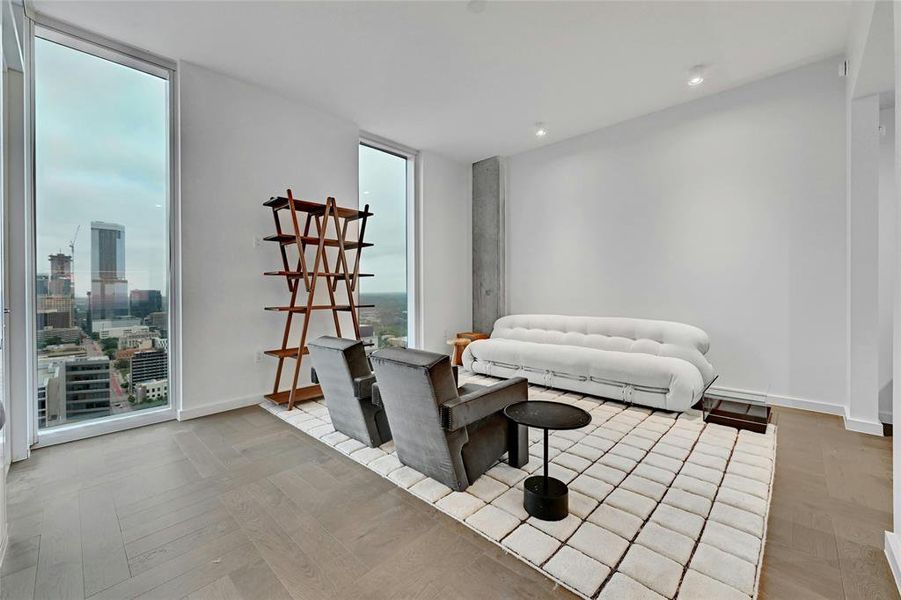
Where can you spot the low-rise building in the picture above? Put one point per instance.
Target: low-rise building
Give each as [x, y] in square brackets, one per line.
[158, 320]
[142, 340]
[63, 351]
[155, 389]
[120, 332]
[59, 335]
[98, 325]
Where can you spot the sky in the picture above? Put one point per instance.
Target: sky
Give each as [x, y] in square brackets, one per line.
[101, 148]
[383, 185]
[101, 155]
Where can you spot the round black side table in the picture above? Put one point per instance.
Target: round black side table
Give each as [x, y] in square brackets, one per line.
[544, 497]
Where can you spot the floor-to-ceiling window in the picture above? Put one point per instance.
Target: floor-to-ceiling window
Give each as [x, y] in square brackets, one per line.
[101, 226]
[385, 187]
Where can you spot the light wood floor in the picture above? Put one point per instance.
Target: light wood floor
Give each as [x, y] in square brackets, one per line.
[242, 506]
[831, 506]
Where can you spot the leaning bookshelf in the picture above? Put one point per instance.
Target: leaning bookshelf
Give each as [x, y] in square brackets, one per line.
[314, 233]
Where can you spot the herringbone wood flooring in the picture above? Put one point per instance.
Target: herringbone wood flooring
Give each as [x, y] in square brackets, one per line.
[242, 506]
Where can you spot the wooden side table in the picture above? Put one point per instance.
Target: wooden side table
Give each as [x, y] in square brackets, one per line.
[460, 342]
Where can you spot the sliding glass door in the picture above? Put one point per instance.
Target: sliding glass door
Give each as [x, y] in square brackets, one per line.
[385, 185]
[101, 224]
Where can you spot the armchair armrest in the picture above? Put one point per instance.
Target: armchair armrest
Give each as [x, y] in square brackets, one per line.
[477, 405]
[363, 386]
[376, 396]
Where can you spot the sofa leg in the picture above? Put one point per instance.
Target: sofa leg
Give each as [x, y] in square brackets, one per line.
[517, 444]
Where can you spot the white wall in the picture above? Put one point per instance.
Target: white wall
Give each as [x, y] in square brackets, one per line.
[862, 206]
[887, 249]
[446, 238]
[241, 144]
[727, 212]
[892, 542]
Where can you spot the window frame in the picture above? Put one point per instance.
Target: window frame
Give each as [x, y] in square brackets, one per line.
[111, 50]
[414, 275]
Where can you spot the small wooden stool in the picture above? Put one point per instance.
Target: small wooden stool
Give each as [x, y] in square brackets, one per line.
[460, 342]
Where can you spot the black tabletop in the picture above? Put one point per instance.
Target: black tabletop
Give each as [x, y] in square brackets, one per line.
[547, 415]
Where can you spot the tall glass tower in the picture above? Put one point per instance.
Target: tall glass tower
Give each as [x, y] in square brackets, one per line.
[109, 285]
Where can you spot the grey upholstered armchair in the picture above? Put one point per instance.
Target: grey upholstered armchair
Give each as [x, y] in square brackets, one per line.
[346, 379]
[448, 434]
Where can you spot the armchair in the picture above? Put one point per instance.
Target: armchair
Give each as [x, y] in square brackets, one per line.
[346, 379]
[452, 435]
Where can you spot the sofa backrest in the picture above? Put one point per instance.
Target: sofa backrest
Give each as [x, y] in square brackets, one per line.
[619, 334]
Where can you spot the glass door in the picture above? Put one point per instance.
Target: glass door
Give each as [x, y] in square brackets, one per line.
[101, 224]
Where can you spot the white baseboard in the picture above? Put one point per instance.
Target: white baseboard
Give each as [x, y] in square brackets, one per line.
[858, 425]
[218, 407]
[778, 400]
[805, 404]
[893, 554]
[862, 425]
[736, 394]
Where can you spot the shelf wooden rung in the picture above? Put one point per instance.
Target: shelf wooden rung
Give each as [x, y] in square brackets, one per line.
[301, 394]
[287, 352]
[280, 203]
[298, 274]
[286, 239]
[300, 309]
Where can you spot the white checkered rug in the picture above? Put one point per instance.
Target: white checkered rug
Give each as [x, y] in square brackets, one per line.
[661, 505]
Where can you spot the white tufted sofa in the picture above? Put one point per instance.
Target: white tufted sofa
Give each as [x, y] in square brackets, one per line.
[653, 363]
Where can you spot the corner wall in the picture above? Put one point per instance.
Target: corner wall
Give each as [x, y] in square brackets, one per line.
[888, 195]
[727, 212]
[446, 244]
[892, 541]
[241, 144]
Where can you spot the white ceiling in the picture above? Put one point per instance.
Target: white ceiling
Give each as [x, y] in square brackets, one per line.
[444, 77]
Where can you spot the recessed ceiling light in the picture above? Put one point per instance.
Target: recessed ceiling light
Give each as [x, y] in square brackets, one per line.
[540, 130]
[696, 76]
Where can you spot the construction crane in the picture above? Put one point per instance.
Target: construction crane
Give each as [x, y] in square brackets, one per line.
[72, 242]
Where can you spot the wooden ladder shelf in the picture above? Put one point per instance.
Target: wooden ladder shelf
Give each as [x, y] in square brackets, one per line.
[307, 230]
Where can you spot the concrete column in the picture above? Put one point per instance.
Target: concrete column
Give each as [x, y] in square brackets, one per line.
[488, 243]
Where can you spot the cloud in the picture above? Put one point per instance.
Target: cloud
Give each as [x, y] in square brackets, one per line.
[101, 155]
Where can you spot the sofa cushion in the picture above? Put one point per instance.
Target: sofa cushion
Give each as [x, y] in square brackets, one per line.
[671, 377]
[655, 363]
[619, 334]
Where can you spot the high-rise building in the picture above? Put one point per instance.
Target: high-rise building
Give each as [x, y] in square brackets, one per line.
[72, 389]
[109, 285]
[56, 294]
[42, 284]
[144, 302]
[55, 311]
[87, 388]
[61, 281]
[149, 365]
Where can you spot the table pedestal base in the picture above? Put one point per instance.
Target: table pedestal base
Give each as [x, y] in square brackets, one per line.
[546, 501]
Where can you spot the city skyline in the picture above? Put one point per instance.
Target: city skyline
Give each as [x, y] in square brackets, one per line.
[100, 157]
